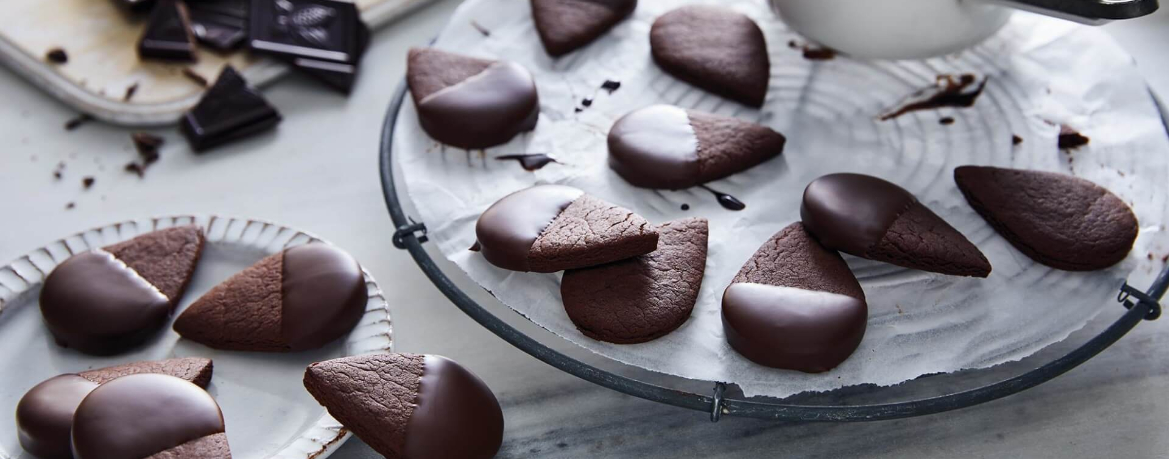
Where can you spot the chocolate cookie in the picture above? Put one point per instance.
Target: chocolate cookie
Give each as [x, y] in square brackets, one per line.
[667, 147]
[149, 416]
[1061, 221]
[111, 299]
[409, 406]
[168, 33]
[302, 298]
[714, 48]
[643, 298]
[872, 218]
[44, 415]
[551, 228]
[471, 103]
[565, 25]
[795, 305]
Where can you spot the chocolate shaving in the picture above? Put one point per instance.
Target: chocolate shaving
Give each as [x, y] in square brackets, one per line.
[78, 121]
[147, 146]
[130, 92]
[197, 78]
[481, 29]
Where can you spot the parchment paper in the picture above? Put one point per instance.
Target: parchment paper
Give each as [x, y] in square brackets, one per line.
[1042, 72]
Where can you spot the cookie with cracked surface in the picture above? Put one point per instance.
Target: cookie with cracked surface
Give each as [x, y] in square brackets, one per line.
[301, 298]
[468, 102]
[1061, 221]
[667, 147]
[565, 25]
[149, 416]
[871, 218]
[410, 406]
[108, 300]
[795, 305]
[44, 416]
[714, 48]
[643, 298]
[551, 228]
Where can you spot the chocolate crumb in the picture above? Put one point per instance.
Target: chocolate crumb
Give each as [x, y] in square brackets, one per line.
[813, 52]
[197, 78]
[57, 56]
[87, 182]
[130, 92]
[1015, 140]
[946, 121]
[578, 109]
[1070, 139]
[78, 121]
[611, 86]
[685, 206]
[147, 146]
[59, 171]
[1150, 256]
[587, 102]
[70, 205]
[480, 28]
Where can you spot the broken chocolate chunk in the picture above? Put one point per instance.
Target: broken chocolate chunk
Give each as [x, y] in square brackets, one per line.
[168, 34]
[220, 24]
[324, 38]
[1070, 139]
[228, 110]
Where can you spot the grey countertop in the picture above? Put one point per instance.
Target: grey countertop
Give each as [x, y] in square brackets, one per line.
[319, 172]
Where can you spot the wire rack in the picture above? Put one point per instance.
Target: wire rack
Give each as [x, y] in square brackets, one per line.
[410, 235]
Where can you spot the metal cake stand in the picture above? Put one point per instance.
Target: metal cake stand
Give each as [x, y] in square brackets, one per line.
[411, 235]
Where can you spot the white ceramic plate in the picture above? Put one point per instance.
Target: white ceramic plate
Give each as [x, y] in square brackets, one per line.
[267, 410]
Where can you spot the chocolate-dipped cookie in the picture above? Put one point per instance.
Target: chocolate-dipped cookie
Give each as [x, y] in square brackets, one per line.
[111, 299]
[44, 415]
[795, 305]
[872, 218]
[301, 298]
[714, 48]
[409, 406]
[471, 103]
[643, 298]
[667, 147]
[149, 416]
[565, 25]
[1061, 221]
[551, 228]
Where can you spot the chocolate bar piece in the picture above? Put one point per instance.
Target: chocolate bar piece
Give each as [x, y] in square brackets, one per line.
[229, 110]
[324, 38]
[168, 34]
[220, 24]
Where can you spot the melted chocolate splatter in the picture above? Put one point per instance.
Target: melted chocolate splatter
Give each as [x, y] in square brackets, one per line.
[611, 86]
[1070, 139]
[530, 162]
[481, 29]
[727, 201]
[685, 206]
[476, 247]
[130, 92]
[948, 91]
[57, 56]
[946, 121]
[1015, 140]
[197, 78]
[78, 121]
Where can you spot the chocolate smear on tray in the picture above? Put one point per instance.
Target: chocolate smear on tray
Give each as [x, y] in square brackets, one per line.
[57, 56]
[530, 162]
[958, 91]
[1070, 139]
[727, 201]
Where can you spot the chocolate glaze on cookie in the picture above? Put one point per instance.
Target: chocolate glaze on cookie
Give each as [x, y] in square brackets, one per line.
[667, 147]
[872, 218]
[45, 414]
[483, 105]
[453, 402]
[324, 295]
[507, 230]
[795, 305]
[137, 416]
[96, 304]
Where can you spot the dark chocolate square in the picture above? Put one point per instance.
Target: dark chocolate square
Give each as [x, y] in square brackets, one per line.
[220, 24]
[323, 30]
[229, 110]
[337, 75]
[168, 33]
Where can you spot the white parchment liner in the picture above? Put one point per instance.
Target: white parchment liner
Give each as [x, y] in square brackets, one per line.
[1042, 72]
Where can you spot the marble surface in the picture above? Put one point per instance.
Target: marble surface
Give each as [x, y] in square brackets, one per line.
[318, 172]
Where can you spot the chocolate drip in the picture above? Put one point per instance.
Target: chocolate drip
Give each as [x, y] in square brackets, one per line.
[949, 91]
[530, 162]
[727, 201]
